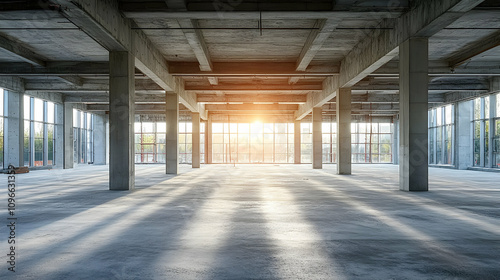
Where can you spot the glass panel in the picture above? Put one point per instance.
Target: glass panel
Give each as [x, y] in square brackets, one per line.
[148, 127]
[385, 128]
[477, 108]
[1, 106]
[50, 112]
[325, 128]
[449, 116]
[486, 107]
[439, 116]
[217, 128]
[498, 105]
[27, 106]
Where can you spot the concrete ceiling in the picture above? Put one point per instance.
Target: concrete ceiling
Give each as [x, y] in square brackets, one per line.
[234, 57]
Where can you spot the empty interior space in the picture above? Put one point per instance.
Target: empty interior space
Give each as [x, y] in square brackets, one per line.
[249, 139]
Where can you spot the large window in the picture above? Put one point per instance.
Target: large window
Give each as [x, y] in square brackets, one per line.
[370, 142]
[1, 128]
[39, 132]
[329, 130]
[305, 142]
[496, 138]
[150, 142]
[83, 137]
[441, 135]
[252, 142]
[486, 131]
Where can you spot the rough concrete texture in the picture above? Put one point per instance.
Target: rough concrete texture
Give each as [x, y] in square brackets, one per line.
[254, 222]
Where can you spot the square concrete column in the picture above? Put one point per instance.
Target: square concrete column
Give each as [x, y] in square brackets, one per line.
[317, 158]
[208, 140]
[343, 104]
[463, 132]
[68, 155]
[296, 142]
[59, 142]
[100, 139]
[14, 126]
[395, 142]
[196, 140]
[172, 118]
[121, 121]
[413, 126]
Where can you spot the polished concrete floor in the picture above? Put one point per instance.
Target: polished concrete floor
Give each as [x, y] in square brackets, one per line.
[254, 222]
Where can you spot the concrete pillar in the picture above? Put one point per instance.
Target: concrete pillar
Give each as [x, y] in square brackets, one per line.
[59, 132]
[395, 142]
[100, 139]
[296, 142]
[208, 140]
[14, 128]
[343, 104]
[464, 146]
[68, 154]
[196, 140]
[121, 121]
[317, 158]
[413, 84]
[172, 118]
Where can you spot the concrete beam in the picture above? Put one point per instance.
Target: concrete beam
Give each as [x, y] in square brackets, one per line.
[255, 87]
[329, 91]
[140, 11]
[58, 68]
[251, 69]
[14, 84]
[475, 48]
[238, 107]
[267, 98]
[103, 22]
[87, 86]
[20, 51]
[381, 46]
[313, 44]
[194, 36]
[72, 80]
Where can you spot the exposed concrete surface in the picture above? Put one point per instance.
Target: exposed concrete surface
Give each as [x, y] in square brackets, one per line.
[254, 222]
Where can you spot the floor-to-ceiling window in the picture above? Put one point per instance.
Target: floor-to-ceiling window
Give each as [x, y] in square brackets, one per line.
[150, 141]
[1, 128]
[252, 142]
[329, 140]
[441, 135]
[306, 142]
[486, 127]
[496, 138]
[371, 142]
[83, 135]
[39, 132]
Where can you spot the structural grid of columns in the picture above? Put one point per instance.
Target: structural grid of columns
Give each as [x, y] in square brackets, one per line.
[317, 158]
[196, 140]
[121, 121]
[413, 120]
[172, 119]
[343, 104]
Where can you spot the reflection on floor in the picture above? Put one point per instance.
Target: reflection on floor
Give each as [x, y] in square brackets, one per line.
[254, 222]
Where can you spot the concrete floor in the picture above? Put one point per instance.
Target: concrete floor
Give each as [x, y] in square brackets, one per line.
[254, 222]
